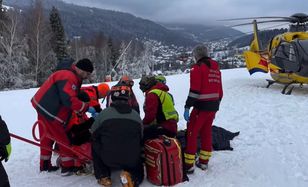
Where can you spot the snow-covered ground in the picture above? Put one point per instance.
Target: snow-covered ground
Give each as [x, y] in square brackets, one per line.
[271, 150]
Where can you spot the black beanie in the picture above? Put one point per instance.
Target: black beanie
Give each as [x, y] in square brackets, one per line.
[85, 65]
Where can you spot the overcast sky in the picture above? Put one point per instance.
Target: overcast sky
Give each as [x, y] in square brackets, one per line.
[199, 11]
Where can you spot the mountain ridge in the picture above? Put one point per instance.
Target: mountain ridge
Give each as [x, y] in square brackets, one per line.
[86, 21]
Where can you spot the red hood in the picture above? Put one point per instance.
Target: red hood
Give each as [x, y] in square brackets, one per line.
[159, 86]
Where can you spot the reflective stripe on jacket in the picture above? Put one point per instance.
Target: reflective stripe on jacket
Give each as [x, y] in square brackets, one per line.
[205, 90]
[57, 98]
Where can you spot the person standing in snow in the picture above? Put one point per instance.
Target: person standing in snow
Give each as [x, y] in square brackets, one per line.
[95, 93]
[117, 136]
[204, 96]
[132, 101]
[5, 151]
[54, 102]
[160, 116]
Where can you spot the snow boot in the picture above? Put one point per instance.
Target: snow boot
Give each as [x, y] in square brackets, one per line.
[105, 181]
[202, 166]
[67, 171]
[82, 171]
[46, 166]
[190, 169]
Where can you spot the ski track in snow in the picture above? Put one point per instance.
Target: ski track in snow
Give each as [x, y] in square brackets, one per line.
[271, 150]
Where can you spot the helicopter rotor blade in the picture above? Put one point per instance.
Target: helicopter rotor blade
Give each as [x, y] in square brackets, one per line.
[268, 17]
[249, 23]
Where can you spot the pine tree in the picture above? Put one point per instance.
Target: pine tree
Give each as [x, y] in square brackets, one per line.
[58, 40]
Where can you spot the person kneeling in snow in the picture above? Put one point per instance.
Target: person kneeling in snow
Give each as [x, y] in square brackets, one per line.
[117, 136]
[160, 116]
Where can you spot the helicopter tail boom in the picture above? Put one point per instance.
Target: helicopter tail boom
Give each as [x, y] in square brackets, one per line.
[255, 62]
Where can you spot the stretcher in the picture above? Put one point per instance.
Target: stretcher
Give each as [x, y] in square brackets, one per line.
[81, 153]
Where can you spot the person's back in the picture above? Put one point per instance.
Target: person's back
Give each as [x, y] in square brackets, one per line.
[119, 131]
[117, 135]
[205, 94]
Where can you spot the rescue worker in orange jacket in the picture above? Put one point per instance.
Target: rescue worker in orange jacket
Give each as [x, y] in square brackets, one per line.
[95, 93]
[54, 102]
[205, 94]
[132, 101]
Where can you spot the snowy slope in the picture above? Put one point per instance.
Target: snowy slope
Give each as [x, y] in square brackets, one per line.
[272, 149]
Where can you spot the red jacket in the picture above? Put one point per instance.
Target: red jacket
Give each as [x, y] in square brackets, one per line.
[94, 98]
[57, 98]
[76, 119]
[205, 91]
[153, 109]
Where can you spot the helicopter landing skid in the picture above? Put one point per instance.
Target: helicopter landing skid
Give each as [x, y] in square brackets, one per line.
[270, 82]
[284, 90]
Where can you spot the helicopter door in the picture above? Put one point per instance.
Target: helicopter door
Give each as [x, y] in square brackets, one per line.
[302, 46]
[285, 57]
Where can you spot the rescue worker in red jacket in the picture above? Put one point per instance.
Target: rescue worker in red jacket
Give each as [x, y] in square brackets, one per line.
[205, 94]
[160, 116]
[54, 102]
[95, 93]
[132, 101]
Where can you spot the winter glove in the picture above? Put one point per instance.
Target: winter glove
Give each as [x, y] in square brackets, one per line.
[92, 111]
[186, 114]
[5, 152]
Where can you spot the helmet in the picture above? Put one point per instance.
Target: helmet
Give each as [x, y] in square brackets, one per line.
[161, 78]
[127, 80]
[147, 82]
[103, 90]
[120, 92]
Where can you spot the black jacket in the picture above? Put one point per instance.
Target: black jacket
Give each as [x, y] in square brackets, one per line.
[5, 138]
[117, 135]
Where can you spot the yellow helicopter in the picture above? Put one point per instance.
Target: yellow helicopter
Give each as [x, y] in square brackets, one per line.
[286, 56]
